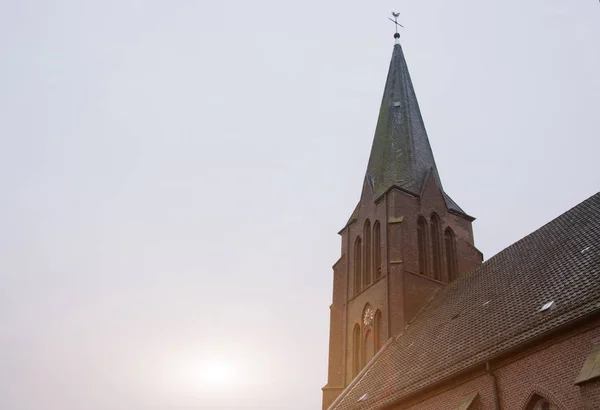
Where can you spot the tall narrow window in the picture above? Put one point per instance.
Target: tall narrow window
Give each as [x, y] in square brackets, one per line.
[367, 348]
[356, 351]
[377, 249]
[436, 248]
[357, 266]
[367, 254]
[423, 246]
[451, 262]
[377, 329]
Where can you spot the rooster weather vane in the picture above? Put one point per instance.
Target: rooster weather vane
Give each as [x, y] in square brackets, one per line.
[395, 21]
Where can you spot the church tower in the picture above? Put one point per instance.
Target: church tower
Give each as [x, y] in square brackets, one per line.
[405, 239]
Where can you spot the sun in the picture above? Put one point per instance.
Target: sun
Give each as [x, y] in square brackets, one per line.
[216, 372]
[208, 374]
[205, 374]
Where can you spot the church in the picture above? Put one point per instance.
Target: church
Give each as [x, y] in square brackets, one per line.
[418, 320]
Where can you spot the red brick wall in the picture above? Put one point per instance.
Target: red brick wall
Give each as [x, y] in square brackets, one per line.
[551, 371]
[401, 292]
[336, 327]
[329, 395]
[410, 290]
[374, 296]
[417, 291]
[347, 303]
[450, 396]
[548, 369]
[590, 395]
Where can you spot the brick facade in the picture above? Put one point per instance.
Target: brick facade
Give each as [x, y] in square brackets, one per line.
[547, 369]
[401, 291]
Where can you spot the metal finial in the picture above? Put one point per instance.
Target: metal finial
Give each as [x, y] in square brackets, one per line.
[395, 21]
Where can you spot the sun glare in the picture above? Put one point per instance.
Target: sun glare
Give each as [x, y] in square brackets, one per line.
[209, 374]
[216, 372]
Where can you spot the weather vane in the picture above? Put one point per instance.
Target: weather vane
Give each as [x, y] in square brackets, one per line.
[395, 21]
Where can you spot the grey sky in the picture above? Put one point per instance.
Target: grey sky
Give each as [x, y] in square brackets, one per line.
[175, 172]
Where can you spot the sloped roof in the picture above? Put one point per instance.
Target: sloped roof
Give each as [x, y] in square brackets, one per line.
[401, 155]
[491, 310]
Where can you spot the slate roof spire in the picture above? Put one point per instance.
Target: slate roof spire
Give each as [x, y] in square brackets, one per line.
[401, 155]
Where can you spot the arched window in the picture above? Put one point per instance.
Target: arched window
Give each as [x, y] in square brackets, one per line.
[377, 249]
[538, 402]
[377, 329]
[451, 262]
[436, 248]
[542, 405]
[367, 254]
[357, 266]
[356, 351]
[423, 246]
[367, 347]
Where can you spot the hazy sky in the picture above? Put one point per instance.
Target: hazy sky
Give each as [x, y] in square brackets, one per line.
[174, 174]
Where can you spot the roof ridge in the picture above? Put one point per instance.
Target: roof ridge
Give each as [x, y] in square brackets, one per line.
[528, 236]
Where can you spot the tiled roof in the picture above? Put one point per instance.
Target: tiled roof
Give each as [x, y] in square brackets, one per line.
[491, 310]
[401, 155]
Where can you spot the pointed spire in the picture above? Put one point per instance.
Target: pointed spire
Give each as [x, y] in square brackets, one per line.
[401, 155]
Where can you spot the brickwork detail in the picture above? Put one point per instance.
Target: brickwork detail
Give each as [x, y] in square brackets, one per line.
[590, 394]
[399, 291]
[548, 370]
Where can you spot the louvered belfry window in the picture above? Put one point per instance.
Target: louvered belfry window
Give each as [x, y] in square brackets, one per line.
[423, 246]
[367, 254]
[436, 248]
[377, 249]
[357, 266]
[451, 261]
[356, 351]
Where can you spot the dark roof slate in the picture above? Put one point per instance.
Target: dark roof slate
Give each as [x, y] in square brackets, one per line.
[491, 310]
[401, 155]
